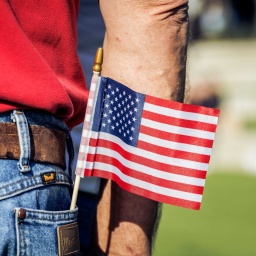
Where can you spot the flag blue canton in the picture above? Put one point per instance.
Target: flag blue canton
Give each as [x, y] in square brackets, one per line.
[119, 111]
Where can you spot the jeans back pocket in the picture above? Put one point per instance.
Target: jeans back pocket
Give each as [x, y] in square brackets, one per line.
[47, 233]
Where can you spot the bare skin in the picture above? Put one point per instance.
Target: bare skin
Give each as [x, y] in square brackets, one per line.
[145, 48]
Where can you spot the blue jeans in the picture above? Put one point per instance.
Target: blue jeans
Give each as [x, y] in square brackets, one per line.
[32, 211]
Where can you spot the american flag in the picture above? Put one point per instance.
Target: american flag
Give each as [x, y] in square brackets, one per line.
[152, 147]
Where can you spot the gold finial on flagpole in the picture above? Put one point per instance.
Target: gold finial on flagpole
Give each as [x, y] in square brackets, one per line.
[98, 59]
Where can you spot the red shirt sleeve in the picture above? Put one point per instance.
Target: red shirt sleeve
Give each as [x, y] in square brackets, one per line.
[39, 65]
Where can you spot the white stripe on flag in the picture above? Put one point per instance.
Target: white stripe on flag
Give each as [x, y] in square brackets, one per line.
[180, 114]
[85, 133]
[178, 129]
[88, 118]
[83, 148]
[93, 86]
[81, 164]
[175, 145]
[90, 103]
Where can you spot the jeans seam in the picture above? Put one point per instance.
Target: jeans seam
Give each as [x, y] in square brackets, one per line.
[36, 176]
[62, 180]
[71, 219]
[32, 214]
[34, 186]
[17, 232]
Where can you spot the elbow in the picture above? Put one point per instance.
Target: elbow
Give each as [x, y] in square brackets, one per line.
[176, 12]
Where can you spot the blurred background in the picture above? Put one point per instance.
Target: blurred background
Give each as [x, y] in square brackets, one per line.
[221, 73]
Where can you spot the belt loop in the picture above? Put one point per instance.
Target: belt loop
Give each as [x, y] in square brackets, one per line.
[24, 139]
[71, 151]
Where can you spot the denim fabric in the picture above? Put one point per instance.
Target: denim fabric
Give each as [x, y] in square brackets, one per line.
[46, 206]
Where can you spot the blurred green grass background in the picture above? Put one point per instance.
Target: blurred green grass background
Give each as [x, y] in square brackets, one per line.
[225, 225]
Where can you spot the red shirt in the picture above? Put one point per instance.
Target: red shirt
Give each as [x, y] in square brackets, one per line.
[39, 65]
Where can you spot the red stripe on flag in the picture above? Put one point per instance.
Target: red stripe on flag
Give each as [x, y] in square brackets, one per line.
[178, 121]
[146, 193]
[174, 152]
[182, 106]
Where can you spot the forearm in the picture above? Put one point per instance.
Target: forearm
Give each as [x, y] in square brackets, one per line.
[125, 223]
[145, 49]
[145, 45]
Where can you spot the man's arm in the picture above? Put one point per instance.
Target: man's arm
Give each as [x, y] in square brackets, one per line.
[145, 48]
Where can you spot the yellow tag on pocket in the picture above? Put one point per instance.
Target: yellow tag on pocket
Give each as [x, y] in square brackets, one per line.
[48, 177]
[68, 239]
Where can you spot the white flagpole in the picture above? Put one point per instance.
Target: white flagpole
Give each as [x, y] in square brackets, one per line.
[98, 59]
